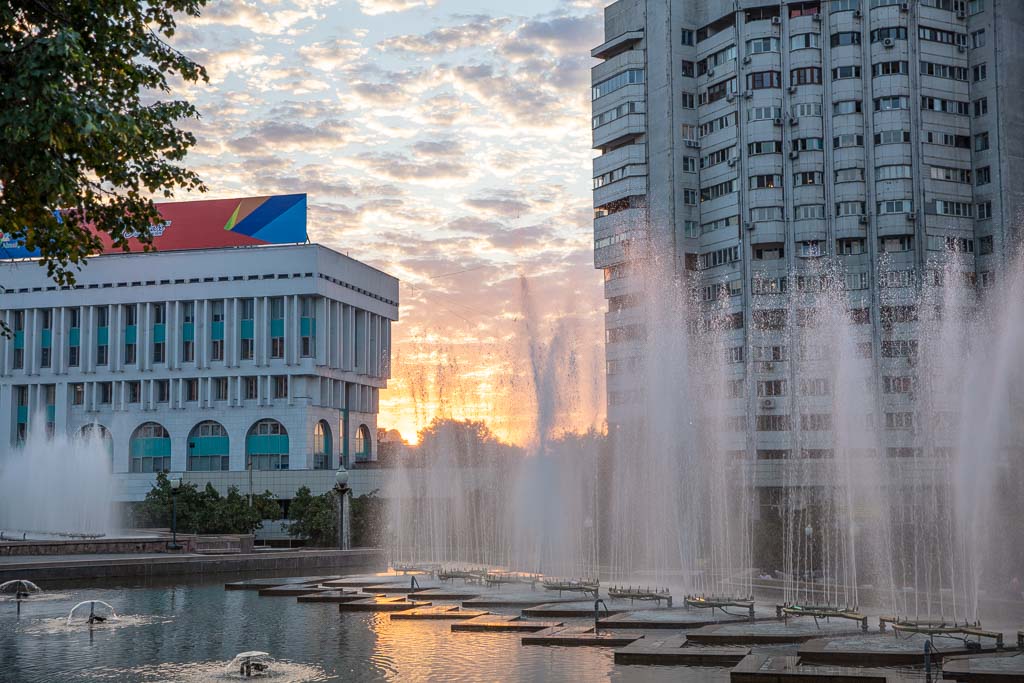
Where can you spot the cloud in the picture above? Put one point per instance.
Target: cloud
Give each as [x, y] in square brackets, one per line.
[482, 31]
[287, 135]
[373, 7]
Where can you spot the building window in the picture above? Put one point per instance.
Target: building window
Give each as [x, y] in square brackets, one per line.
[842, 72]
[307, 326]
[770, 388]
[266, 446]
[891, 103]
[250, 387]
[981, 142]
[983, 176]
[980, 72]
[807, 178]
[980, 107]
[849, 175]
[772, 423]
[846, 107]
[163, 390]
[816, 422]
[892, 206]
[803, 41]
[806, 212]
[845, 38]
[889, 69]
[809, 75]
[984, 210]
[808, 144]
[220, 388]
[192, 390]
[277, 327]
[631, 77]
[845, 5]
[688, 68]
[893, 172]
[363, 443]
[150, 448]
[803, 9]
[810, 249]
[851, 246]
[897, 244]
[890, 32]
[133, 391]
[765, 213]
[208, 447]
[217, 349]
[761, 80]
[765, 147]
[689, 101]
[978, 39]
[849, 209]
[322, 446]
[280, 386]
[687, 37]
[689, 164]
[760, 45]
[892, 137]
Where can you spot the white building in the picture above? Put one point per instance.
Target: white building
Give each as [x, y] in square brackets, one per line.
[257, 367]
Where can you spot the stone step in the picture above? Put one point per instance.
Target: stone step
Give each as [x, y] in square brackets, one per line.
[503, 622]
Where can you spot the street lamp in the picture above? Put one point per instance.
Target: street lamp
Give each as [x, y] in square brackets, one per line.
[175, 488]
[343, 490]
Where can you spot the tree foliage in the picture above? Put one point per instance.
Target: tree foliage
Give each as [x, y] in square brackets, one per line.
[86, 126]
[315, 519]
[205, 511]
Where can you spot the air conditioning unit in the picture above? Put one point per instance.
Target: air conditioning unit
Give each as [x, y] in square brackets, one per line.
[731, 161]
[693, 143]
[911, 217]
[961, 15]
[905, 7]
[750, 226]
[889, 42]
[817, 18]
[730, 97]
[961, 48]
[864, 219]
[748, 59]
[857, 14]
[711, 72]
[792, 90]
[767, 403]
[794, 154]
[776, 21]
[748, 94]
[778, 120]
[793, 121]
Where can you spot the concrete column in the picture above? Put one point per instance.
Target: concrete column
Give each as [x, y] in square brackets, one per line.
[202, 336]
[232, 335]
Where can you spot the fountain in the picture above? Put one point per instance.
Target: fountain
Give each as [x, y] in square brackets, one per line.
[56, 486]
[108, 612]
[250, 664]
[20, 588]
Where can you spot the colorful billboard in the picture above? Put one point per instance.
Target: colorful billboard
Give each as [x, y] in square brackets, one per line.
[204, 224]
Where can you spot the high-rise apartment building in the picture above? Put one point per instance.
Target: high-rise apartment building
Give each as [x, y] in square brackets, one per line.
[745, 140]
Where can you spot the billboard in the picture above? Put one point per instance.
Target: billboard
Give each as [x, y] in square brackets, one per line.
[204, 224]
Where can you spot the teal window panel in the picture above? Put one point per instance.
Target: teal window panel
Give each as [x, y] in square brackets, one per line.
[247, 330]
[277, 327]
[102, 336]
[51, 411]
[19, 339]
[208, 445]
[217, 331]
[46, 339]
[22, 414]
[188, 331]
[74, 337]
[307, 327]
[159, 333]
[131, 334]
[266, 444]
[150, 447]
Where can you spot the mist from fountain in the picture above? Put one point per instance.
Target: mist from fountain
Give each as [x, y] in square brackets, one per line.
[57, 485]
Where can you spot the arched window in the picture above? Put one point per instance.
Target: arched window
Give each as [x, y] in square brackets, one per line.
[97, 431]
[364, 444]
[266, 446]
[150, 448]
[322, 446]
[208, 447]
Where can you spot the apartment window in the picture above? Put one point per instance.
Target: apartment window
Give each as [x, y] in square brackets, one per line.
[985, 245]
[759, 14]
[892, 137]
[163, 390]
[808, 144]
[953, 175]
[280, 386]
[892, 206]
[719, 257]
[724, 55]
[981, 142]
[984, 210]
[891, 103]
[980, 72]
[810, 249]
[277, 327]
[77, 394]
[803, 9]
[889, 69]
[983, 176]
[893, 172]
[761, 80]
[716, 124]
[765, 213]
[187, 351]
[220, 388]
[945, 106]
[807, 178]
[819, 386]
[809, 75]
[691, 229]
[851, 246]
[717, 157]
[618, 112]
[890, 32]
[899, 421]
[46, 323]
[134, 391]
[250, 388]
[688, 101]
[101, 355]
[980, 107]
[687, 37]
[689, 164]
[807, 109]
[74, 358]
[106, 390]
[939, 36]
[770, 252]
[772, 423]
[769, 388]
[845, 38]
[764, 113]
[849, 175]
[759, 182]
[764, 147]
[948, 140]
[948, 71]
[688, 69]
[806, 212]
[896, 244]
[718, 190]
[689, 197]
[846, 107]
[849, 208]
[192, 390]
[816, 422]
[217, 349]
[760, 45]
[842, 72]
[718, 91]
[845, 5]
[803, 41]
[711, 226]
[631, 77]
[978, 39]
[975, 6]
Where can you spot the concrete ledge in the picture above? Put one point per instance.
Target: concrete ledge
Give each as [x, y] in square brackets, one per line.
[61, 568]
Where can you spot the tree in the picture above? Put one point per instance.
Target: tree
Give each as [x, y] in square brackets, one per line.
[206, 511]
[83, 128]
[314, 518]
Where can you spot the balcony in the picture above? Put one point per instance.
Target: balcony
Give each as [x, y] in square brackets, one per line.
[628, 220]
[628, 186]
[631, 59]
[629, 154]
[630, 125]
[610, 48]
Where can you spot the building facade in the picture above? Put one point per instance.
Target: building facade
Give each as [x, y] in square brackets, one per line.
[258, 367]
[739, 141]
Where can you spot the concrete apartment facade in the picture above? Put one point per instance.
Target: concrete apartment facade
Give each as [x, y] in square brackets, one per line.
[258, 367]
[741, 140]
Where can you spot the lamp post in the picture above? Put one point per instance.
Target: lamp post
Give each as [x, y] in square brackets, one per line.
[342, 489]
[175, 488]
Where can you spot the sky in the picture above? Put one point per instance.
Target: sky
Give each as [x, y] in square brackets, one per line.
[448, 144]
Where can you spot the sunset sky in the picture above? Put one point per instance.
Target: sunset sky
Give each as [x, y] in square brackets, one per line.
[447, 143]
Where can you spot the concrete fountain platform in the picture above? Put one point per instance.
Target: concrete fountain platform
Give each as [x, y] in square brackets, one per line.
[1003, 667]
[785, 669]
[438, 612]
[886, 649]
[677, 618]
[446, 594]
[791, 631]
[292, 590]
[261, 584]
[381, 604]
[364, 580]
[521, 599]
[577, 636]
[503, 622]
[575, 609]
[676, 650]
